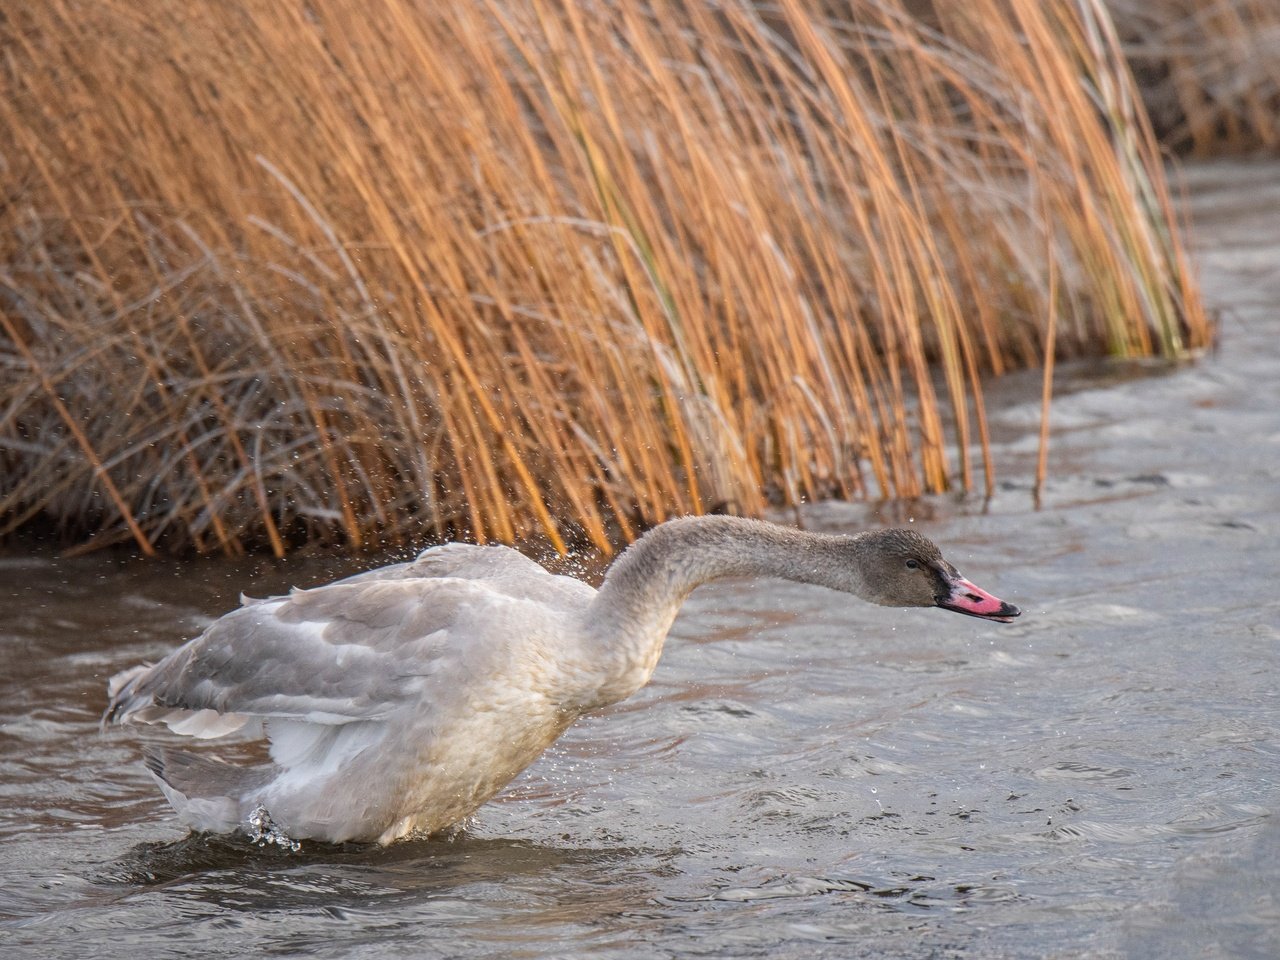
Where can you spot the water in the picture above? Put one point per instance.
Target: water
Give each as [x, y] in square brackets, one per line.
[806, 776]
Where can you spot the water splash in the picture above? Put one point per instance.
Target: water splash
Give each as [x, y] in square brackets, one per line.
[264, 832]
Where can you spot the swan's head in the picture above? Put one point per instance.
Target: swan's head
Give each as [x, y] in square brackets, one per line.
[900, 568]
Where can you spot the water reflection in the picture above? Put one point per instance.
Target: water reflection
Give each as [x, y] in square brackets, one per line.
[424, 864]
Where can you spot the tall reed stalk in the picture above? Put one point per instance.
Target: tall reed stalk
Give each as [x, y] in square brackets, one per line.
[1209, 70]
[386, 270]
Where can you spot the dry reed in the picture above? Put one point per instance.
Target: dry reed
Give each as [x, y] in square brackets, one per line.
[383, 271]
[1209, 70]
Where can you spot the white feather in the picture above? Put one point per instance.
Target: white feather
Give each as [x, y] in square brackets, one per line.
[201, 724]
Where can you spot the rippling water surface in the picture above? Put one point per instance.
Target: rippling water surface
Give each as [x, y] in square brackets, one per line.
[807, 776]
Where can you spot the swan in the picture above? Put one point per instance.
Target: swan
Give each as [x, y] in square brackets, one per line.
[399, 700]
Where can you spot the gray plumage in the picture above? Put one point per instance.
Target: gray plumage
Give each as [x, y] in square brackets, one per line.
[399, 700]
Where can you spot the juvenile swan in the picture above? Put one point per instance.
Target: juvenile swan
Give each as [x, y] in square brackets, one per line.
[398, 701]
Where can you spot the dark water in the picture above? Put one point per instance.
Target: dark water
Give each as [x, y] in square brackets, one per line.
[806, 776]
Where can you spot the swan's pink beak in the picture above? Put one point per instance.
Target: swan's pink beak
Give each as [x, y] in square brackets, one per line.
[970, 599]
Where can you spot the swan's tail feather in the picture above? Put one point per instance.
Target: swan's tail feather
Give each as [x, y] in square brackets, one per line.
[207, 794]
[120, 691]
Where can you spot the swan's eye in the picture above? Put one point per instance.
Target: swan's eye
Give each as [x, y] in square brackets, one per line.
[913, 564]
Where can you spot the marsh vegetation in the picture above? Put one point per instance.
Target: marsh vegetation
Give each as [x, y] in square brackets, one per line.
[370, 273]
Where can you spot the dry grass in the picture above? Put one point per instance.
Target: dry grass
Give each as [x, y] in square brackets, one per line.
[1209, 70]
[382, 271]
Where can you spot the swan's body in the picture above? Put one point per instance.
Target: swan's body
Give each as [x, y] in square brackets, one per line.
[398, 701]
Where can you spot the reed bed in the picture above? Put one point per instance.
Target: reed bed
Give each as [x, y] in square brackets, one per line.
[382, 271]
[1209, 70]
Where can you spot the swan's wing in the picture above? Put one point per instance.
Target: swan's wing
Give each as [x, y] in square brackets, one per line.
[496, 568]
[459, 561]
[334, 655]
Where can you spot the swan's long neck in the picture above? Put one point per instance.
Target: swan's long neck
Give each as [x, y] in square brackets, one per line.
[625, 625]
